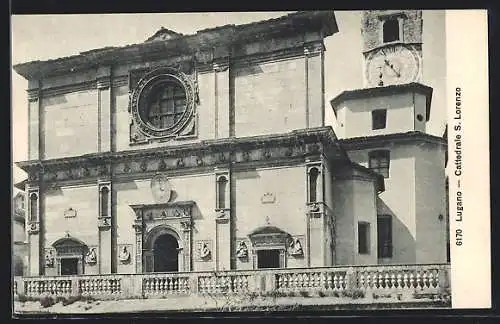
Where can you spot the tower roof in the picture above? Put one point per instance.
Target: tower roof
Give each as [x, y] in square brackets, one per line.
[413, 87]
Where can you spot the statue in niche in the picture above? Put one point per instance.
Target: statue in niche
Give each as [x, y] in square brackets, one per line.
[242, 251]
[205, 251]
[295, 247]
[124, 255]
[49, 259]
[91, 257]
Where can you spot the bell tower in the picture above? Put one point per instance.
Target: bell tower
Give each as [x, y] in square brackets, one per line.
[392, 99]
[392, 46]
[382, 126]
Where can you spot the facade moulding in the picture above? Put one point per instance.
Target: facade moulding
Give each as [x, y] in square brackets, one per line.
[366, 142]
[281, 149]
[224, 36]
[60, 90]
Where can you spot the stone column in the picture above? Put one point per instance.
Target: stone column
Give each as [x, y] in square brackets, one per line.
[104, 108]
[105, 224]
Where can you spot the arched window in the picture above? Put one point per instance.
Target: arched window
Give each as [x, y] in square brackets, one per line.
[221, 192]
[33, 207]
[104, 201]
[313, 184]
[391, 30]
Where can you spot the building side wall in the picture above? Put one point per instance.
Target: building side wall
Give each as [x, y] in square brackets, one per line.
[199, 188]
[398, 199]
[344, 222]
[83, 226]
[365, 210]
[287, 212]
[431, 194]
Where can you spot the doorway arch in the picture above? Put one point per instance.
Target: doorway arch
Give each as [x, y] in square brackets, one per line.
[166, 253]
[163, 250]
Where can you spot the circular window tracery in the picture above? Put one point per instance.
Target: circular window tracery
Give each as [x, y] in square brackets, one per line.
[165, 105]
[162, 103]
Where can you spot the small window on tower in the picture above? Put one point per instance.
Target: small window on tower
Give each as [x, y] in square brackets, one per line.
[379, 161]
[379, 118]
[384, 235]
[363, 238]
[391, 30]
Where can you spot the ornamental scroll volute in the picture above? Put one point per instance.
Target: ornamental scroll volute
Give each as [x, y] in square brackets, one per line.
[152, 118]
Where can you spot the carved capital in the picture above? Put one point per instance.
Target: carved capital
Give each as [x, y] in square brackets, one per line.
[138, 227]
[104, 223]
[186, 225]
[33, 228]
[33, 95]
[103, 83]
[315, 209]
[220, 66]
[223, 215]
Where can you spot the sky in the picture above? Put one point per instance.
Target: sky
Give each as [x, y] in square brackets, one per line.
[43, 37]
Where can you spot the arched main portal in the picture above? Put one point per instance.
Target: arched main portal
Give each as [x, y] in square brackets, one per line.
[165, 254]
[163, 250]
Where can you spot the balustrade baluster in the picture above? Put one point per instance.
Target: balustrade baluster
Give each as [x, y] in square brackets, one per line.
[329, 282]
[176, 286]
[393, 280]
[425, 280]
[379, 277]
[387, 281]
[305, 280]
[418, 280]
[362, 280]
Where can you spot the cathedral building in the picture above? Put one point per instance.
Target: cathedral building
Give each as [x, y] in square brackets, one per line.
[210, 152]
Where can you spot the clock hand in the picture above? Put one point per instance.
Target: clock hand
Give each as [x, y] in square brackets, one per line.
[392, 67]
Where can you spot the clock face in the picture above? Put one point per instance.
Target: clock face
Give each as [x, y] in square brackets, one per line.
[392, 65]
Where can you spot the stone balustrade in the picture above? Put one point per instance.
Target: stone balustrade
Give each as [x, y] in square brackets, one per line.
[426, 279]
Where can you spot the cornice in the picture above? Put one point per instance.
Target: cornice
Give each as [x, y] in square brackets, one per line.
[295, 23]
[272, 150]
[390, 90]
[364, 142]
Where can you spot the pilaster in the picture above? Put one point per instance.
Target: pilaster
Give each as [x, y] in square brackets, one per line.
[105, 224]
[34, 231]
[221, 96]
[34, 136]
[223, 246]
[315, 213]
[104, 108]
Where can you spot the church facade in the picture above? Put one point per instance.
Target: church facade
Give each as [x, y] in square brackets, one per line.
[210, 152]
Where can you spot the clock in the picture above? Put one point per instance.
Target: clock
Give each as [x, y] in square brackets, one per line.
[393, 64]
